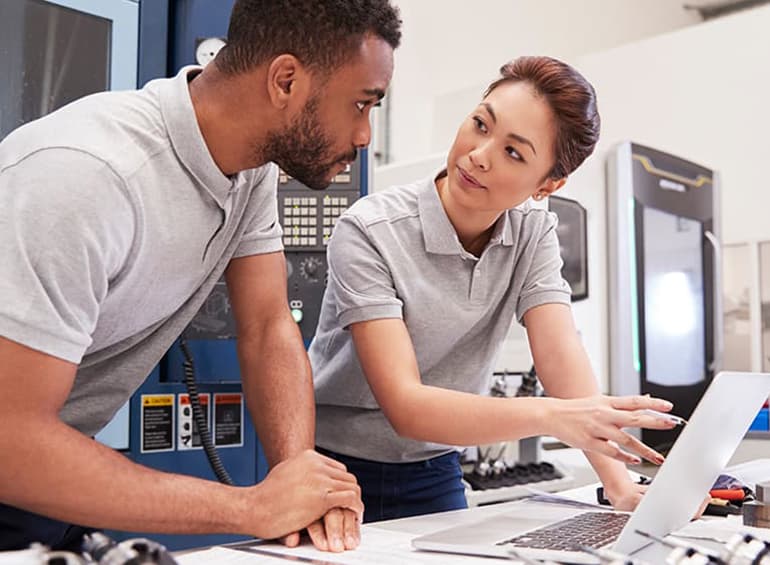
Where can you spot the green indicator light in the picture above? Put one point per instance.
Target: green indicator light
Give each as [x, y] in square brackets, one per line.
[297, 314]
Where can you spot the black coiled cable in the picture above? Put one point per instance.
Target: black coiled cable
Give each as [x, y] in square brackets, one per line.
[200, 420]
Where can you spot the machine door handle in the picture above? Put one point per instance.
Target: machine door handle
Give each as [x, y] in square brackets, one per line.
[716, 362]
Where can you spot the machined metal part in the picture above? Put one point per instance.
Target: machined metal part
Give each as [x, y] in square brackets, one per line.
[762, 492]
[756, 513]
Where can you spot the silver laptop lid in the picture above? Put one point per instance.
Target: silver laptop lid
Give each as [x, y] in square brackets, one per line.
[701, 452]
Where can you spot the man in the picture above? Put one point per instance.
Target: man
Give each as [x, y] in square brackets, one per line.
[118, 213]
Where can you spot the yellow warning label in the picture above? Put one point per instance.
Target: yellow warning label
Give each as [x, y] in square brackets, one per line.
[157, 400]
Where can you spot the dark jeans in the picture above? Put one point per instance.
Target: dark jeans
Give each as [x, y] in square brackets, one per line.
[398, 490]
[19, 528]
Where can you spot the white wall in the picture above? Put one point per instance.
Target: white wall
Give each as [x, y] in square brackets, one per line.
[450, 45]
[700, 93]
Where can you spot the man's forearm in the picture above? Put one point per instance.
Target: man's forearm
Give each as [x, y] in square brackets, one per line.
[51, 469]
[279, 388]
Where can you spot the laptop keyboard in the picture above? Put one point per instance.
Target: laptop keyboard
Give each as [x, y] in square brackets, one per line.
[590, 529]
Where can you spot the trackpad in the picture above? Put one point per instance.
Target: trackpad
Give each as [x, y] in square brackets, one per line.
[488, 531]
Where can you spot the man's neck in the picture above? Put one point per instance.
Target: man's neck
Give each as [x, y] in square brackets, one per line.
[226, 117]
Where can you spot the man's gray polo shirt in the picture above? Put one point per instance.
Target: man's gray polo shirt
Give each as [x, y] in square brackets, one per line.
[115, 223]
[395, 254]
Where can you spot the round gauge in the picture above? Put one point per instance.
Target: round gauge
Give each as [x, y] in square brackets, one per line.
[207, 50]
[310, 268]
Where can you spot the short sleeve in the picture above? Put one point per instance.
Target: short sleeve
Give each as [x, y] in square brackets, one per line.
[543, 283]
[66, 227]
[360, 282]
[263, 233]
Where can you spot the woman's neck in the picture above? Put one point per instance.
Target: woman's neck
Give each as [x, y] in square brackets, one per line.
[474, 228]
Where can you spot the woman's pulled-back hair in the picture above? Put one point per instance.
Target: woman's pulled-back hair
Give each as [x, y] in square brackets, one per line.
[572, 100]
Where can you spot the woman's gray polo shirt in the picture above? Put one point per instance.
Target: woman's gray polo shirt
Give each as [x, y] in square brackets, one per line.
[395, 254]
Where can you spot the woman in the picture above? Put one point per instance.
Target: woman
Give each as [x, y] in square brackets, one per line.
[424, 281]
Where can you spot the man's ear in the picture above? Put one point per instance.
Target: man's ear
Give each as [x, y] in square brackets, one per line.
[287, 82]
[548, 187]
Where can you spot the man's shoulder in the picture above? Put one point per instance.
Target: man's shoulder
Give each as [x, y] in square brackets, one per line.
[119, 128]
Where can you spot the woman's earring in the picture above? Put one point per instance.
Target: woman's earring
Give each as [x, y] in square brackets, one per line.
[538, 195]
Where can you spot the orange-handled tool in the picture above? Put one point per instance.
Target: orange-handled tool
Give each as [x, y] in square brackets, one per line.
[728, 494]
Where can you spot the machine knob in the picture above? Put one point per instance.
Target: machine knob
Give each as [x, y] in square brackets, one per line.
[310, 268]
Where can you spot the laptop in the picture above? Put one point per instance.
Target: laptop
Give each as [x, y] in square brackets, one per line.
[701, 452]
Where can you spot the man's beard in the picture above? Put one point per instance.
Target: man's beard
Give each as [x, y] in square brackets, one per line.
[303, 151]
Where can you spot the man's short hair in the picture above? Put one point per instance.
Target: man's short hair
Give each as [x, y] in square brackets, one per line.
[322, 34]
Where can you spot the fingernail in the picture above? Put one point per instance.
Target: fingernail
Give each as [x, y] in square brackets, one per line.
[337, 544]
[667, 404]
[351, 542]
[660, 460]
[636, 461]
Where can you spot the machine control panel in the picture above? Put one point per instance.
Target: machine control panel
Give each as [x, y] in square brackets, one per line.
[308, 218]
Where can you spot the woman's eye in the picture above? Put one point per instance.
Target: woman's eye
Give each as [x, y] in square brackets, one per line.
[360, 106]
[513, 153]
[480, 125]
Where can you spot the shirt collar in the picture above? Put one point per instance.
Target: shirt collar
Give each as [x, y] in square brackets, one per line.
[186, 137]
[503, 233]
[439, 233]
